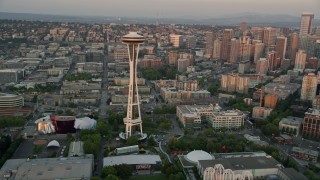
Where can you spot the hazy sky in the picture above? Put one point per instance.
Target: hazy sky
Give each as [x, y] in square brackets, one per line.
[161, 8]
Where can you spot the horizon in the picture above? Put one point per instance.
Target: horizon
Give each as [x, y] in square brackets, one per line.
[187, 9]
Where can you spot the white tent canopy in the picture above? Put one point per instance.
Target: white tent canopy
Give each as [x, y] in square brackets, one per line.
[85, 123]
[53, 143]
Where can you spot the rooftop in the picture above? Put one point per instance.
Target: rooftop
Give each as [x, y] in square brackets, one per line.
[292, 120]
[49, 168]
[305, 151]
[131, 160]
[293, 174]
[242, 163]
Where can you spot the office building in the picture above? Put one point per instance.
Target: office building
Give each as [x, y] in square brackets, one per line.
[262, 66]
[190, 116]
[270, 101]
[173, 57]
[300, 60]
[261, 113]
[281, 46]
[273, 60]
[176, 40]
[309, 87]
[216, 49]
[191, 42]
[11, 75]
[312, 63]
[257, 33]
[311, 124]
[227, 35]
[293, 124]
[234, 83]
[306, 23]
[11, 100]
[183, 64]
[245, 49]
[244, 67]
[269, 36]
[234, 52]
[293, 45]
[258, 51]
[209, 44]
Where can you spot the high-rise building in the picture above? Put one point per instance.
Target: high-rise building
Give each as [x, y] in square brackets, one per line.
[176, 40]
[309, 86]
[209, 44]
[294, 45]
[234, 52]
[262, 66]
[273, 60]
[243, 26]
[306, 23]
[216, 49]
[227, 35]
[191, 42]
[245, 48]
[281, 46]
[234, 83]
[313, 63]
[300, 60]
[269, 36]
[183, 64]
[257, 33]
[311, 124]
[173, 57]
[258, 51]
[133, 118]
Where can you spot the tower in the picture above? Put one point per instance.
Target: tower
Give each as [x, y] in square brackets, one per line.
[306, 23]
[133, 119]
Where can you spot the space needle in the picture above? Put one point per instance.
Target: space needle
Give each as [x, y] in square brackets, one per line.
[133, 122]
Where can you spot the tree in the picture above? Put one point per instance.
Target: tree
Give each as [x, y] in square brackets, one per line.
[132, 140]
[151, 142]
[102, 127]
[124, 171]
[112, 177]
[108, 170]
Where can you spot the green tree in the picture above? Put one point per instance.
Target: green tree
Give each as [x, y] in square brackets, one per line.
[112, 177]
[108, 170]
[132, 140]
[102, 127]
[151, 142]
[124, 171]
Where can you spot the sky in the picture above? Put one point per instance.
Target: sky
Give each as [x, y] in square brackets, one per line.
[161, 8]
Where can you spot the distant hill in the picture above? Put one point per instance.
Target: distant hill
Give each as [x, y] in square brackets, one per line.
[277, 20]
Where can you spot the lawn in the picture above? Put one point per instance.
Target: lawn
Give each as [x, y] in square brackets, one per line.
[150, 177]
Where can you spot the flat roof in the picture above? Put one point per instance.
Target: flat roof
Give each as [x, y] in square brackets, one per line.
[292, 174]
[131, 160]
[242, 163]
[50, 168]
[305, 151]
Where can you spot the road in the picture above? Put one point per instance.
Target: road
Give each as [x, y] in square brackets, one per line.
[102, 115]
[104, 91]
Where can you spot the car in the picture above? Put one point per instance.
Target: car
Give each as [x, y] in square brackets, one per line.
[318, 148]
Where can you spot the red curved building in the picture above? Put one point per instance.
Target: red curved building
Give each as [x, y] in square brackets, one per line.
[63, 124]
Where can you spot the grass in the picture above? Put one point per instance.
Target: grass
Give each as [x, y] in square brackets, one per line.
[150, 177]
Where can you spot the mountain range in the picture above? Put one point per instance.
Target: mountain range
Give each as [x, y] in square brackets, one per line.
[276, 20]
